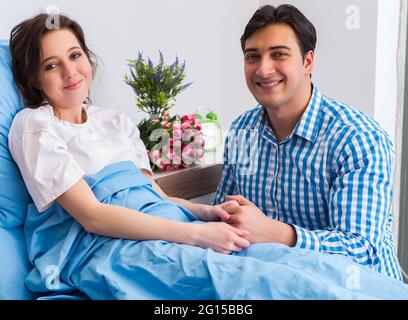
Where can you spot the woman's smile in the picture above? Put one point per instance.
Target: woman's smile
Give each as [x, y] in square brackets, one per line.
[73, 85]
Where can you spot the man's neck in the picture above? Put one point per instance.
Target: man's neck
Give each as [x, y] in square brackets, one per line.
[284, 118]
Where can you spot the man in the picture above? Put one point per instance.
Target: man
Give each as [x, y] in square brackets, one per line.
[303, 169]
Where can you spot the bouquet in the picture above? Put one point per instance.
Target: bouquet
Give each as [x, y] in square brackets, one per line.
[171, 142]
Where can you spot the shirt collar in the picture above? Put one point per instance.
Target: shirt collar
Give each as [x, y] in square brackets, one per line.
[308, 126]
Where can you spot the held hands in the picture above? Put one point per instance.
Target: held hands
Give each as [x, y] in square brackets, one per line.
[219, 236]
[244, 215]
[239, 223]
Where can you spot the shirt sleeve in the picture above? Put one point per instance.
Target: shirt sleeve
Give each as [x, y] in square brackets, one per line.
[227, 185]
[46, 166]
[360, 201]
[141, 152]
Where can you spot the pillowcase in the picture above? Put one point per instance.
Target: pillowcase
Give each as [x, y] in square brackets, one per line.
[14, 265]
[14, 196]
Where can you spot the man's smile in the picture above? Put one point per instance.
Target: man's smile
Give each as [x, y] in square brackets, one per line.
[268, 84]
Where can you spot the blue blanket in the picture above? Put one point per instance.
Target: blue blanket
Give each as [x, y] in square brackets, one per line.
[72, 262]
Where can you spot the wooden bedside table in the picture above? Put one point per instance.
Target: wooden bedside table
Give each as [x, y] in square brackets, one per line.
[190, 183]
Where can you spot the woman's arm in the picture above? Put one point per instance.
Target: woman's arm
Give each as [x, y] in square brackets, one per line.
[120, 222]
[204, 212]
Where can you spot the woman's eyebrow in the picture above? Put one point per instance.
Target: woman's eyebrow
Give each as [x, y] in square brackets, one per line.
[52, 57]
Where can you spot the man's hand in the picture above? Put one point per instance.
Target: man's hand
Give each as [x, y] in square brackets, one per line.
[246, 216]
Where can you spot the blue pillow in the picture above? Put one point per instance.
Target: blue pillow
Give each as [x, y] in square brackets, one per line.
[14, 265]
[14, 196]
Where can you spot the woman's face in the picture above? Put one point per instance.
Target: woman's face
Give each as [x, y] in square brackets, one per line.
[65, 72]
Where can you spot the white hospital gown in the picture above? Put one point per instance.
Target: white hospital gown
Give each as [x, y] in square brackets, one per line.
[54, 154]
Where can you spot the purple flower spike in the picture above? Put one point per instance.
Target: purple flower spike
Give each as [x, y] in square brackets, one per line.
[161, 58]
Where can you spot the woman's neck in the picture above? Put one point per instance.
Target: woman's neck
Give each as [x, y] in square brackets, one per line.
[76, 115]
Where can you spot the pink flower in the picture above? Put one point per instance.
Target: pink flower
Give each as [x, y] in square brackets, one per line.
[176, 126]
[185, 126]
[198, 126]
[193, 117]
[177, 143]
[177, 134]
[176, 159]
[200, 153]
[155, 155]
[185, 118]
[200, 141]
[169, 167]
[166, 113]
[159, 164]
[193, 153]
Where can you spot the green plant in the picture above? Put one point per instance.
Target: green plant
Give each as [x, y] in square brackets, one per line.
[155, 86]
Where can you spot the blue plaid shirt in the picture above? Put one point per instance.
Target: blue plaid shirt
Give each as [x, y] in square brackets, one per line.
[331, 179]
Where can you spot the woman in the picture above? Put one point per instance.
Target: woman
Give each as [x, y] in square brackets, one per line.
[59, 139]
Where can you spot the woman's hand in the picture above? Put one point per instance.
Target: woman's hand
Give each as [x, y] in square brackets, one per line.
[218, 212]
[219, 236]
[211, 213]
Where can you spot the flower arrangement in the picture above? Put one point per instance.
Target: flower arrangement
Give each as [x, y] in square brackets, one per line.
[155, 86]
[171, 142]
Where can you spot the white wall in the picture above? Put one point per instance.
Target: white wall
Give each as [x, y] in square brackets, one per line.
[385, 108]
[204, 33]
[356, 66]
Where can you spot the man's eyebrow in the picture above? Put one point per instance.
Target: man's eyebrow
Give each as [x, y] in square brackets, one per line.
[270, 48]
[52, 57]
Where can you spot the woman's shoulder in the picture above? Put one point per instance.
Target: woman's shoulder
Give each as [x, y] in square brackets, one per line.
[109, 115]
[104, 111]
[30, 120]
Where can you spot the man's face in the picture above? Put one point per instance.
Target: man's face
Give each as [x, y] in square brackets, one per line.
[275, 71]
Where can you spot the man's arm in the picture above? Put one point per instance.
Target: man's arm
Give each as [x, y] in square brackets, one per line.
[359, 201]
[359, 206]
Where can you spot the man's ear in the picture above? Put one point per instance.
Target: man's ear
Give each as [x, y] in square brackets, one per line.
[308, 62]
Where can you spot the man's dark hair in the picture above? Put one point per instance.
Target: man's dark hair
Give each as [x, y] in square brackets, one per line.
[287, 14]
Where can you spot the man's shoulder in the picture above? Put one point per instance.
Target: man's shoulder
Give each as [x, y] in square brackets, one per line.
[247, 119]
[346, 116]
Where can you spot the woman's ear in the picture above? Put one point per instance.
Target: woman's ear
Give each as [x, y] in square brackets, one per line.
[36, 85]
